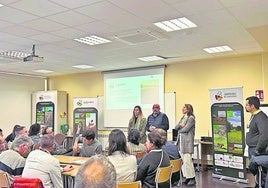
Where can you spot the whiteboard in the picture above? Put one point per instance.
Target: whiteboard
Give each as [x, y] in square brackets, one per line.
[169, 109]
[264, 108]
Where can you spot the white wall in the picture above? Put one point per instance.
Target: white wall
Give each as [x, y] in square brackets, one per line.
[15, 100]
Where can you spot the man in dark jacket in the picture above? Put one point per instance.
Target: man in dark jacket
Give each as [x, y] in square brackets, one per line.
[157, 120]
[256, 137]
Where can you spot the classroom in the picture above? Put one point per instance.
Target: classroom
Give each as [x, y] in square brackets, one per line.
[49, 35]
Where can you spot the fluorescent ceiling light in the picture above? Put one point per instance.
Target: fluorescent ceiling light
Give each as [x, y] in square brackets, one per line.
[83, 66]
[1, 5]
[218, 49]
[44, 71]
[14, 54]
[151, 58]
[92, 40]
[175, 24]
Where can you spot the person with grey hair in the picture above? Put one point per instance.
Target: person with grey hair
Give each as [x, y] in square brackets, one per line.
[41, 164]
[97, 172]
[13, 160]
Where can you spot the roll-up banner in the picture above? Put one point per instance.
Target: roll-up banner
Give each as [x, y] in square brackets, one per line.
[227, 120]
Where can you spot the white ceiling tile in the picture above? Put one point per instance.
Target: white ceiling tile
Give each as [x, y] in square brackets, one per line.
[4, 24]
[70, 18]
[38, 7]
[46, 37]
[68, 33]
[43, 25]
[74, 3]
[97, 28]
[20, 31]
[190, 7]
[253, 14]
[6, 2]
[152, 10]
[110, 14]
[15, 16]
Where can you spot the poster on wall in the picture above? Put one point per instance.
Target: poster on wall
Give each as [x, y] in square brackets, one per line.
[227, 121]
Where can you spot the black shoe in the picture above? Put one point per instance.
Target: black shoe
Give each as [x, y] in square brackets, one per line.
[191, 182]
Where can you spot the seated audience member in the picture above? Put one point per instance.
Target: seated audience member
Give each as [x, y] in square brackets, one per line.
[57, 149]
[90, 146]
[48, 130]
[133, 143]
[1, 133]
[3, 143]
[260, 160]
[13, 160]
[21, 130]
[41, 164]
[34, 132]
[42, 128]
[172, 150]
[96, 172]
[12, 135]
[150, 162]
[125, 164]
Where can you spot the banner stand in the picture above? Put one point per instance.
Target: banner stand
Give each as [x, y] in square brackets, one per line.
[227, 121]
[236, 180]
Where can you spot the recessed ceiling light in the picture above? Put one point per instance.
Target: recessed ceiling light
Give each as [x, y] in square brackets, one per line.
[1, 5]
[44, 71]
[83, 66]
[92, 40]
[175, 24]
[14, 54]
[218, 49]
[151, 58]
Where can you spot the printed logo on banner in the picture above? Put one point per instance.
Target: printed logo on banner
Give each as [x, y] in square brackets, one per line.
[223, 95]
[85, 102]
[41, 97]
[79, 103]
[218, 96]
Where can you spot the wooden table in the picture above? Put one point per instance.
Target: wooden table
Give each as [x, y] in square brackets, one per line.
[74, 160]
[72, 172]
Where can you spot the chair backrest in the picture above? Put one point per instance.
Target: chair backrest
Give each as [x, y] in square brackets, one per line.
[59, 138]
[20, 182]
[135, 184]
[176, 163]
[5, 180]
[140, 154]
[163, 174]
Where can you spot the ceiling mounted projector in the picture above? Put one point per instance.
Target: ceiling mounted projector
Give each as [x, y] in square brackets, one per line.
[33, 57]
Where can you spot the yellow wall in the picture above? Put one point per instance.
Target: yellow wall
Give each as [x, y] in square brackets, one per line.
[190, 80]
